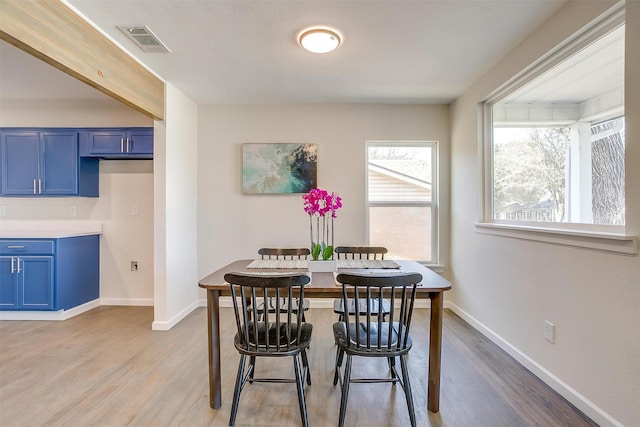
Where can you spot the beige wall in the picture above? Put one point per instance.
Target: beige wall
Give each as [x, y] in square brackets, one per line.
[123, 184]
[509, 287]
[232, 225]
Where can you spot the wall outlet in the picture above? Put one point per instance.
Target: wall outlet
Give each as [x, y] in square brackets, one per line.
[3, 210]
[549, 331]
[134, 265]
[73, 210]
[134, 210]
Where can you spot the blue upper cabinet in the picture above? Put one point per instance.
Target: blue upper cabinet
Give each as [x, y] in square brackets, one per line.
[45, 162]
[131, 143]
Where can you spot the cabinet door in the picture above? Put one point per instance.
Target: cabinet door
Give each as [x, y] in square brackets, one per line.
[140, 141]
[35, 282]
[20, 162]
[8, 283]
[106, 142]
[59, 163]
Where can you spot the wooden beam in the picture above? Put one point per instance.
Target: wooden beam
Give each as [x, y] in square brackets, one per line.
[50, 31]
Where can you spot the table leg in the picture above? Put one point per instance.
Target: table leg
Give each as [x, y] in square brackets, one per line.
[213, 322]
[435, 350]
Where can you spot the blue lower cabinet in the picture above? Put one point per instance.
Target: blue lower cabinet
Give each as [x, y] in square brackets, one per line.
[49, 274]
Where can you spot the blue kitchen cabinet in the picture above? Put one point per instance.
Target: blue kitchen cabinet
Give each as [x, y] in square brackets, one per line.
[130, 143]
[49, 274]
[45, 162]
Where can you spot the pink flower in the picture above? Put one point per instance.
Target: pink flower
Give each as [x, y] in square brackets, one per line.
[321, 202]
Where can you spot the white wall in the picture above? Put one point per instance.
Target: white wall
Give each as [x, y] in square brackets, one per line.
[175, 229]
[122, 185]
[232, 225]
[509, 287]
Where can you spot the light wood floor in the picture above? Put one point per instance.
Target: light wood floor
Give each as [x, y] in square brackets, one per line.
[107, 368]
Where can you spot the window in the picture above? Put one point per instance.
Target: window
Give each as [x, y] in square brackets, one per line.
[556, 140]
[402, 199]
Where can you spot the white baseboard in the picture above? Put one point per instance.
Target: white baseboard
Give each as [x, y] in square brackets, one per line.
[579, 401]
[165, 326]
[49, 315]
[127, 301]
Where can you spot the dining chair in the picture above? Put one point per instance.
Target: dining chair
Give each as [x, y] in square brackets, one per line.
[278, 334]
[367, 335]
[284, 253]
[358, 252]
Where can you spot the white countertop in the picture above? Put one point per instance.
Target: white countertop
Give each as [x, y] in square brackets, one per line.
[17, 229]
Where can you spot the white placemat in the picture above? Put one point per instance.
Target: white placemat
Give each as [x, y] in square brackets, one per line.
[368, 263]
[279, 263]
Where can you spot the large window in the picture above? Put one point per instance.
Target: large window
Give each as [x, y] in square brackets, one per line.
[401, 199]
[556, 140]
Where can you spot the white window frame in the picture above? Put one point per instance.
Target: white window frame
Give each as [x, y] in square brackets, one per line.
[613, 239]
[434, 262]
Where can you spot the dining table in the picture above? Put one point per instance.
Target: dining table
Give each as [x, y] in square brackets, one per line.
[324, 285]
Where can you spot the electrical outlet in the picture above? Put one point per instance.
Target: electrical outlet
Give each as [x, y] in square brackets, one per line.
[134, 265]
[134, 210]
[3, 210]
[549, 331]
[73, 210]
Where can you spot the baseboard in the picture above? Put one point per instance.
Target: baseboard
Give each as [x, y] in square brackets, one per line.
[127, 301]
[579, 401]
[166, 325]
[49, 315]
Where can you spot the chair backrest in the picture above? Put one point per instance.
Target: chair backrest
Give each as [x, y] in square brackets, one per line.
[366, 330]
[284, 253]
[267, 332]
[360, 252]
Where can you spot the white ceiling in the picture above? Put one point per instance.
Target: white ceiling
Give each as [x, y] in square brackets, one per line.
[230, 51]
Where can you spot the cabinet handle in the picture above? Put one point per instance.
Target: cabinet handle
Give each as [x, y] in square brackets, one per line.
[15, 247]
[39, 186]
[122, 145]
[34, 187]
[128, 146]
[13, 269]
[18, 265]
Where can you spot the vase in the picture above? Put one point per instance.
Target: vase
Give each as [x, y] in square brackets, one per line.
[327, 266]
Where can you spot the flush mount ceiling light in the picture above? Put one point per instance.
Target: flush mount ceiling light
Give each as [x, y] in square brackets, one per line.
[319, 40]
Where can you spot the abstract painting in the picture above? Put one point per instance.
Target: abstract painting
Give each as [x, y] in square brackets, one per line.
[279, 168]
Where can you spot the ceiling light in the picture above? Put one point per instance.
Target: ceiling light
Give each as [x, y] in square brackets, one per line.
[319, 40]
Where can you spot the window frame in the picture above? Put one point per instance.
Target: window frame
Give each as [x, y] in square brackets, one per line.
[607, 238]
[434, 262]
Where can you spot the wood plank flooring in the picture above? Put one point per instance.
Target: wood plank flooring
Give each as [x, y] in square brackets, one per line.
[107, 368]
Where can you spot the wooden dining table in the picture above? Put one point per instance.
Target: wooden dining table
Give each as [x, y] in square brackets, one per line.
[323, 285]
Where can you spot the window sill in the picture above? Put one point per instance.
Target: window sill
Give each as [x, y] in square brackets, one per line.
[600, 241]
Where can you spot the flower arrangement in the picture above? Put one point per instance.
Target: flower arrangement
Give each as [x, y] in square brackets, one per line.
[321, 207]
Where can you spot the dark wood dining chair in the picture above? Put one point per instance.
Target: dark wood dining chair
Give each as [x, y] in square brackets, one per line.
[367, 335]
[284, 253]
[359, 252]
[278, 334]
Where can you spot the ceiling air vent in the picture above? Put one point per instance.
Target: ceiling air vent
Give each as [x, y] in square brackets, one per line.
[144, 38]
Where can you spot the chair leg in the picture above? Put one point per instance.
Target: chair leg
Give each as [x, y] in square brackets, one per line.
[305, 365]
[252, 366]
[339, 357]
[345, 390]
[392, 367]
[238, 389]
[407, 390]
[300, 386]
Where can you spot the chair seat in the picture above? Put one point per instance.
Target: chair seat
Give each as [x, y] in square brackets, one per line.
[338, 306]
[388, 341]
[285, 338]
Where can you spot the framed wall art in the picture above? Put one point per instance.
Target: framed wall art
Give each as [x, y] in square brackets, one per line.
[279, 168]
